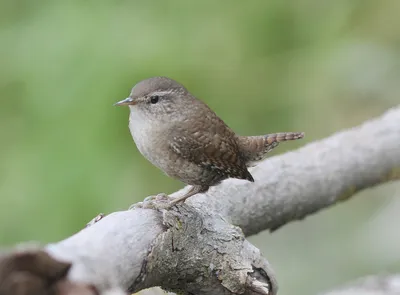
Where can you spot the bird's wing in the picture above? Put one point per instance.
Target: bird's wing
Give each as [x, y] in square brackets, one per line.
[212, 146]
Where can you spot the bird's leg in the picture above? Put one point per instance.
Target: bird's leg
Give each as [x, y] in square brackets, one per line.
[196, 189]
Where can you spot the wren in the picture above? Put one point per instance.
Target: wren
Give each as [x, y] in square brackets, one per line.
[183, 137]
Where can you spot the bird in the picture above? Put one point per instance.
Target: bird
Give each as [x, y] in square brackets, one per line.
[182, 136]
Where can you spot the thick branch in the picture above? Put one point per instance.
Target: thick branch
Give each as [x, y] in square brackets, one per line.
[182, 249]
[291, 186]
[195, 248]
[111, 253]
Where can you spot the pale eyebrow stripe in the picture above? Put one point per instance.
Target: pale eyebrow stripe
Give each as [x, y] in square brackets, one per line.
[161, 93]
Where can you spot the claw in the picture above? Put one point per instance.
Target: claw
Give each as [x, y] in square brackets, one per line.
[157, 202]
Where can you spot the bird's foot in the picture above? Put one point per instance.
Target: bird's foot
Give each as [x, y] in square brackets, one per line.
[157, 202]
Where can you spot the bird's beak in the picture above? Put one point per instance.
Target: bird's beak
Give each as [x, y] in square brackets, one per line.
[125, 102]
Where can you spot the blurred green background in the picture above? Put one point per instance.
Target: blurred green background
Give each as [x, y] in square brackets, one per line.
[264, 66]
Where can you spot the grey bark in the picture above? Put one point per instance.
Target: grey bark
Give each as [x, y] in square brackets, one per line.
[200, 247]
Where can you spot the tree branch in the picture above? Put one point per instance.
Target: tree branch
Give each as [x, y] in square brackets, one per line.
[291, 186]
[195, 248]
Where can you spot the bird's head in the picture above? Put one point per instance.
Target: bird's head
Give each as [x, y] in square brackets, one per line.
[157, 97]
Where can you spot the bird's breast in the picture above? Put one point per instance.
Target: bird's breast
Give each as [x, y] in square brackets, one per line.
[148, 137]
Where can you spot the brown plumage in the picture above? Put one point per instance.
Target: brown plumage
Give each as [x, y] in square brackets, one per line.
[183, 137]
[255, 148]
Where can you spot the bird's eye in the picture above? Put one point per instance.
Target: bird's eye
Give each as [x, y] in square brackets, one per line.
[154, 99]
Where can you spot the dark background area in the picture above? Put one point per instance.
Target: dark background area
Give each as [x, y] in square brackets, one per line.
[264, 66]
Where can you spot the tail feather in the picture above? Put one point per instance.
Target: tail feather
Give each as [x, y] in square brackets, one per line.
[255, 148]
[283, 136]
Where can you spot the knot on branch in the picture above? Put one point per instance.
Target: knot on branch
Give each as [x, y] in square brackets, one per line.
[202, 253]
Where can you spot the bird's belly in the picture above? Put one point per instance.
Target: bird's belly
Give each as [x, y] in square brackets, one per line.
[172, 164]
[156, 150]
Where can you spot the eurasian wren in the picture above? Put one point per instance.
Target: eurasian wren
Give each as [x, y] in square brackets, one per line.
[183, 137]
